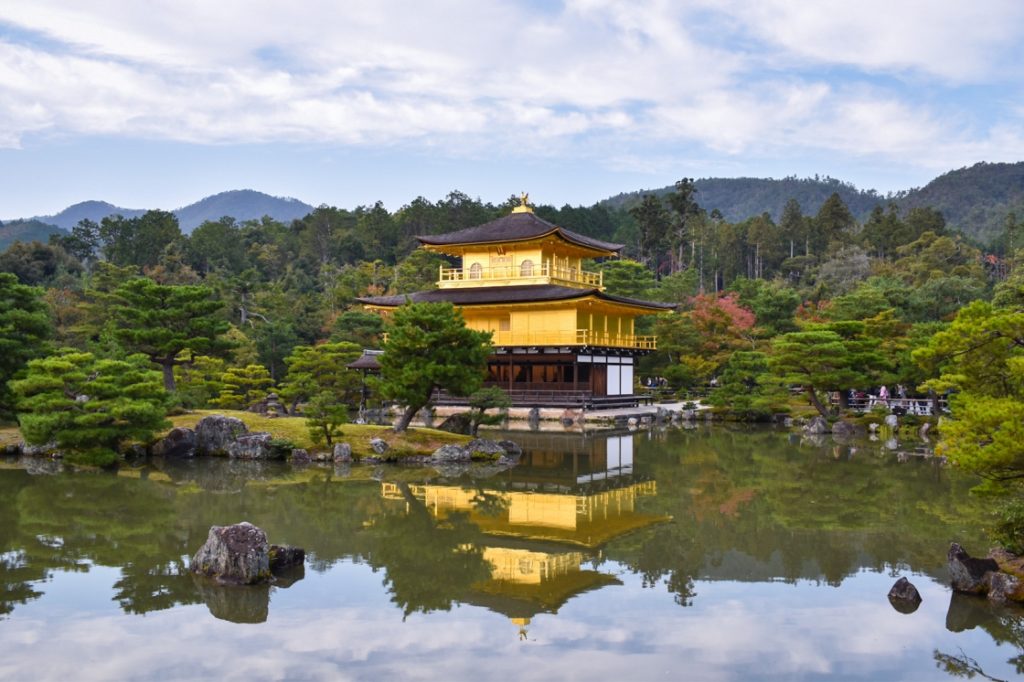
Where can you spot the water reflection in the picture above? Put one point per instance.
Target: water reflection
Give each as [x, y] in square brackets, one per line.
[583, 523]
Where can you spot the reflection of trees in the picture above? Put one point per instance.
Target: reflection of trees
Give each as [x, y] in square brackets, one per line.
[67, 522]
[429, 562]
[1003, 622]
[748, 505]
[745, 505]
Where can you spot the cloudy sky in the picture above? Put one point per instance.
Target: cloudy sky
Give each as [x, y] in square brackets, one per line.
[159, 103]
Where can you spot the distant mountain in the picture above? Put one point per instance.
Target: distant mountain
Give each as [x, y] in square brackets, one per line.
[243, 204]
[974, 200]
[26, 231]
[88, 210]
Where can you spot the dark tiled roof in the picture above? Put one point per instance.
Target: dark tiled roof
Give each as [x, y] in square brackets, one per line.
[367, 362]
[536, 293]
[512, 228]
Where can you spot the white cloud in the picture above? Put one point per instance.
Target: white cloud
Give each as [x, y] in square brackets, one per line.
[604, 79]
[961, 41]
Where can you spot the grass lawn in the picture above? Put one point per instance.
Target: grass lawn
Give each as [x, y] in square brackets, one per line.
[413, 442]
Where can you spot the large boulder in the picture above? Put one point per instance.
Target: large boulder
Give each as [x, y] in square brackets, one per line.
[342, 452]
[300, 456]
[179, 442]
[892, 421]
[512, 449]
[236, 554]
[379, 445]
[215, 432]
[43, 450]
[251, 446]
[450, 453]
[457, 423]
[904, 597]
[1003, 587]
[968, 574]
[481, 448]
[817, 426]
[843, 429]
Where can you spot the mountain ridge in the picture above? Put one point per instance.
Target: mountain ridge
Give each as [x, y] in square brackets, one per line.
[240, 204]
[974, 199]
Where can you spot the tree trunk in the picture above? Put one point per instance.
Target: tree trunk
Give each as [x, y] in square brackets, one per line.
[844, 400]
[403, 422]
[167, 365]
[813, 397]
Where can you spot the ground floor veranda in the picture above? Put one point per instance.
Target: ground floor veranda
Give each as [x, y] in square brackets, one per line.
[591, 377]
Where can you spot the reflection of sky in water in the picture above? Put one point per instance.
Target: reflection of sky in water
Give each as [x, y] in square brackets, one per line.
[341, 625]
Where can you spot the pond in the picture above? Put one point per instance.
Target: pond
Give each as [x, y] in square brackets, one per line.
[710, 553]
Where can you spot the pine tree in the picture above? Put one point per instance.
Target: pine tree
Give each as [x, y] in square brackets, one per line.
[429, 347]
[90, 406]
[24, 332]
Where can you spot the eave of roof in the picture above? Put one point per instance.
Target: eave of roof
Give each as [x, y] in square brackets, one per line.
[516, 227]
[537, 293]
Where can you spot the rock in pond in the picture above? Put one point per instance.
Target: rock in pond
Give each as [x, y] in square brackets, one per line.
[1003, 587]
[379, 445]
[238, 554]
[968, 574]
[843, 429]
[300, 456]
[892, 421]
[450, 453]
[285, 557]
[179, 442]
[904, 597]
[817, 426]
[481, 448]
[511, 448]
[215, 432]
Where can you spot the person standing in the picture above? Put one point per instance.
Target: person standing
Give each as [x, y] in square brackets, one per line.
[883, 395]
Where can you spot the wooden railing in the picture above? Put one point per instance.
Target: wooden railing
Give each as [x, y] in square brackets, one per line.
[540, 271]
[577, 337]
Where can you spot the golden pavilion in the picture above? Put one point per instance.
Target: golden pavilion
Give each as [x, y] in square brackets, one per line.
[558, 338]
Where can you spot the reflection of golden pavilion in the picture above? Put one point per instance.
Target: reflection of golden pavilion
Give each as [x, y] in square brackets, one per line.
[588, 520]
[539, 540]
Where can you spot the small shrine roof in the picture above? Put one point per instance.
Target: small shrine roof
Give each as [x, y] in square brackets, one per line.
[516, 227]
[367, 361]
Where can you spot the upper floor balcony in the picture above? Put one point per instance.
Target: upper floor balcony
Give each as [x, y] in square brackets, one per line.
[526, 273]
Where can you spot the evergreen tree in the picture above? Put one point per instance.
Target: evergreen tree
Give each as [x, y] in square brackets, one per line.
[90, 406]
[321, 369]
[24, 333]
[161, 321]
[429, 347]
[243, 386]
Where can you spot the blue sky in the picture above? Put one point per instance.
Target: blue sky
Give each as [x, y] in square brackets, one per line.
[157, 104]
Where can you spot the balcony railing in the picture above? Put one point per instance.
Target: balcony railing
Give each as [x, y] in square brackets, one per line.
[541, 272]
[577, 337]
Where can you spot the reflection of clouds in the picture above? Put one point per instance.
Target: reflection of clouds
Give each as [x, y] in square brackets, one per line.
[317, 631]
